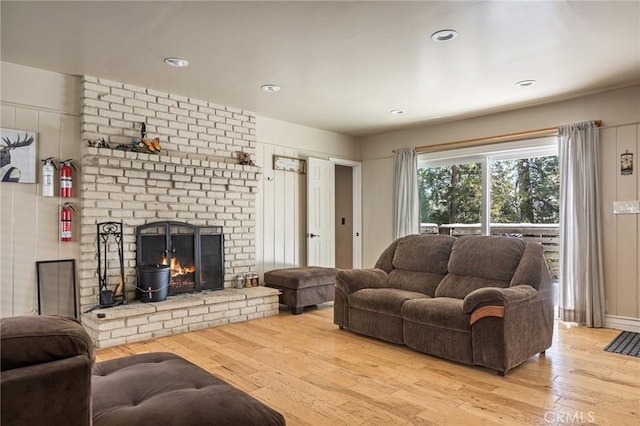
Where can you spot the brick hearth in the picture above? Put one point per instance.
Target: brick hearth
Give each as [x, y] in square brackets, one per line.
[178, 314]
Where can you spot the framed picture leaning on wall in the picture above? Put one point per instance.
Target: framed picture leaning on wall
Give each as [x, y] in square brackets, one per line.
[17, 156]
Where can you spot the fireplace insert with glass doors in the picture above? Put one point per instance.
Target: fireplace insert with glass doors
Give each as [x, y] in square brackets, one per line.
[194, 253]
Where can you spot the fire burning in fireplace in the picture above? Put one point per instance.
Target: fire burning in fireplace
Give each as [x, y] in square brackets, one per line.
[182, 277]
[177, 269]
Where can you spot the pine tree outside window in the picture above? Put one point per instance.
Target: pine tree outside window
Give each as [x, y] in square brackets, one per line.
[502, 189]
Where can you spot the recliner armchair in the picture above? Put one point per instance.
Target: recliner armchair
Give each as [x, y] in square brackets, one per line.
[46, 367]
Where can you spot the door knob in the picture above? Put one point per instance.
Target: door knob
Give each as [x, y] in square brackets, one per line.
[313, 235]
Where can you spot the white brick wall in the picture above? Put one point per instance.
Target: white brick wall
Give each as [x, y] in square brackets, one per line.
[195, 179]
[114, 111]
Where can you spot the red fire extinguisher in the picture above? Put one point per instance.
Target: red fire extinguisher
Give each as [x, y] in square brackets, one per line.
[65, 222]
[66, 172]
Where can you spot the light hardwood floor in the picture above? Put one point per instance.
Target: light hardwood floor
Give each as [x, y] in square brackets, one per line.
[315, 374]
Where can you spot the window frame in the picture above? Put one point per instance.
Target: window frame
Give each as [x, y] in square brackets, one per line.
[485, 154]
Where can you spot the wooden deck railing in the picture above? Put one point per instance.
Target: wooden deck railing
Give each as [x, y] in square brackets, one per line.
[545, 234]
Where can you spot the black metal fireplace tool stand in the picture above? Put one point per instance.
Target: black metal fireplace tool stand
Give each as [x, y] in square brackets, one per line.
[109, 233]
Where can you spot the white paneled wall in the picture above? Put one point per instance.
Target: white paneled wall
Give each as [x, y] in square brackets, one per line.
[29, 225]
[281, 217]
[622, 231]
[377, 207]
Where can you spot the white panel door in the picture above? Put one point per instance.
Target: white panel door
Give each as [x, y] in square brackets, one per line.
[321, 231]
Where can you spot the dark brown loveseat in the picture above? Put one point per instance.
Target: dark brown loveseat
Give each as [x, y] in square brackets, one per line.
[49, 378]
[480, 300]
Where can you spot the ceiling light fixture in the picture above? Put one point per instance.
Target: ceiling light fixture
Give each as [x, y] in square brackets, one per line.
[397, 112]
[525, 83]
[444, 35]
[271, 88]
[176, 62]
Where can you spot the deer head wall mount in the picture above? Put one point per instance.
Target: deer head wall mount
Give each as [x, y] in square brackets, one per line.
[10, 172]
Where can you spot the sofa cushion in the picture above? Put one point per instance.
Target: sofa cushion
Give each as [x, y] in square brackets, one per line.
[423, 253]
[490, 257]
[376, 324]
[532, 267]
[459, 286]
[480, 261]
[442, 312]
[420, 282]
[384, 300]
[385, 261]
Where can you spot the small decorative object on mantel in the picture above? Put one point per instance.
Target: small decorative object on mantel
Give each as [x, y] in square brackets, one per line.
[98, 144]
[289, 164]
[151, 145]
[245, 159]
[143, 144]
[626, 163]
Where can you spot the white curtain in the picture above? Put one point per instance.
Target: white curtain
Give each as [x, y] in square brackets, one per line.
[581, 292]
[406, 215]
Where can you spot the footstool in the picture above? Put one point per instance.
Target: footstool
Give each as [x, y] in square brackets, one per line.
[160, 388]
[300, 287]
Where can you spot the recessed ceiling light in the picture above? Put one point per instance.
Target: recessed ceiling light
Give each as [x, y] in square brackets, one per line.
[176, 62]
[397, 112]
[444, 35]
[270, 87]
[525, 83]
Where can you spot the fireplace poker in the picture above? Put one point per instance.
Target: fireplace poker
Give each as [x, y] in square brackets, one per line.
[106, 264]
[106, 295]
[119, 291]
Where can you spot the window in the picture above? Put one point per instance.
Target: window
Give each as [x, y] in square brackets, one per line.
[525, 190]
[504, 189]
[450, 193]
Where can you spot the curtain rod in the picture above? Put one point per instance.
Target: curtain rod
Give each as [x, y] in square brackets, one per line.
[507, 137]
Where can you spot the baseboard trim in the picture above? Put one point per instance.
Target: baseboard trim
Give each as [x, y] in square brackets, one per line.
[622, 323]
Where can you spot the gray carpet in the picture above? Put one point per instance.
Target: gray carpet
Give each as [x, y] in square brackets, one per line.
[627, 343]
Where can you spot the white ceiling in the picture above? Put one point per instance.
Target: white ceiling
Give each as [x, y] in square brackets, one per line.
[342, 65]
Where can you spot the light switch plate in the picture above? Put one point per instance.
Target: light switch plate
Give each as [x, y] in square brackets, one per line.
[626, 207]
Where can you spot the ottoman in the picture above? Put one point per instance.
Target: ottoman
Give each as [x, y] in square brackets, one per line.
[300, 287]
[164, 389]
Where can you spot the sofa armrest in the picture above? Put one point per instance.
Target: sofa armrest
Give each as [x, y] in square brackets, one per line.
[490, 301]
[46, 371]
[352, 280]
[497, 296]
[31, 340]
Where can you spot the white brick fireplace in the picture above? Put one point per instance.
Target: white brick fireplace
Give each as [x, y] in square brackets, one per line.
[195, 179]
